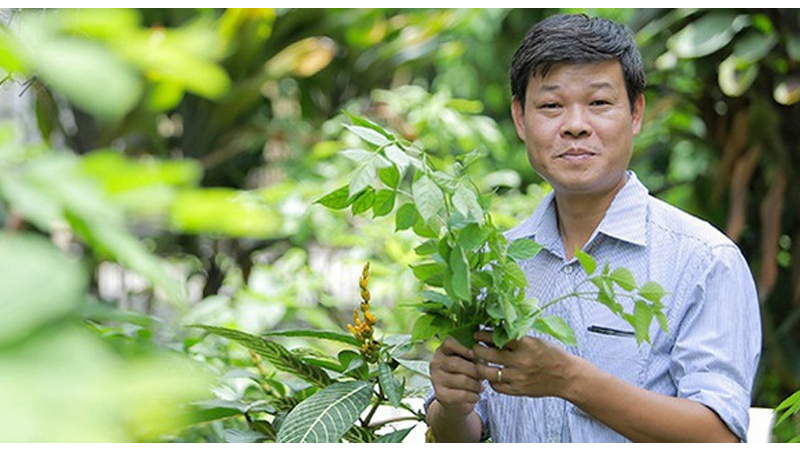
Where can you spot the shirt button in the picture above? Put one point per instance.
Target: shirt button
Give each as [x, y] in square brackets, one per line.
[568, 269]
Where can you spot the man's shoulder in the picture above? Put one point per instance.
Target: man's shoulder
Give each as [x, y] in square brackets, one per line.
[672, 221]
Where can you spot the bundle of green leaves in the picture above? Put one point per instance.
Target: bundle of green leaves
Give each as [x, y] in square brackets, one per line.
[469, 269]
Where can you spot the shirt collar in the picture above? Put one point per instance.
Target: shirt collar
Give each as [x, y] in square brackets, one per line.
[625, 219]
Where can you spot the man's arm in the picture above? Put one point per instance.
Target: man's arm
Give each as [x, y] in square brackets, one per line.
[535, 368]
[454, 376]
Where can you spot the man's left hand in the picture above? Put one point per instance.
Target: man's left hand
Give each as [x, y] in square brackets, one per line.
[526, 367]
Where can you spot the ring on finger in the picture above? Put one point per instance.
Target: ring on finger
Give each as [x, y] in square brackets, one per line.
[499, 376]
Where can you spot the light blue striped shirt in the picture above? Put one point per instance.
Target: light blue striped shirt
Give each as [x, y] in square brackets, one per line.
[710, 352]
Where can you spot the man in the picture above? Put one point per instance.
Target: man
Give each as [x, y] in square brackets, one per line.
[577, 86]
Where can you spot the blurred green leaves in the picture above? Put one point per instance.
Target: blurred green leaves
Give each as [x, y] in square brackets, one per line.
[29, 305]
[101, 59]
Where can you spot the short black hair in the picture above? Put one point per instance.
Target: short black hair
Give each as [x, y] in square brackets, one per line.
[576, 39]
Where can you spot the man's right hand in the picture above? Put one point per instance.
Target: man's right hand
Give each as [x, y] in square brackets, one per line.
[455, 380]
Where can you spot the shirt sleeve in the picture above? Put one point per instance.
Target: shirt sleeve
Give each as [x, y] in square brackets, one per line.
[718, 341]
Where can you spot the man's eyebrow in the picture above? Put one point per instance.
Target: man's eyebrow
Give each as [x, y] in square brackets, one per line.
[597, 85]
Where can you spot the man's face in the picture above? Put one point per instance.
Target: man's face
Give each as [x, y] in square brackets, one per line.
[578, 127]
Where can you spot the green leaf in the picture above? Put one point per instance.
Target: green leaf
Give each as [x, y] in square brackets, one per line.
[390, 176]
[522, 249]
[515, 274]
[396, 155]
[89, 75]
[624, 278]
[420, 367]
[438, 297]
[327, 415]
[39, 285]
[642, 317]
[224, 211]
[394, 437]
[472, 237]
[353, 361]
[706, 35]
[791, 404]
[736, 75]
[361, 179]
[425, 271]
[366, 123]
[358, 155]
[428, 197]
[316, 334]
[428, 247]
[369, 135]
[587, 262]
[461, 278]
[556, 327]
[384, 203]
[424, 328]
[338, 199]
[606, 295]
[391, 387]
[275, 353]
[405, 217]
[364, 201]
[652, 291]
[465, 335]
[466, 202]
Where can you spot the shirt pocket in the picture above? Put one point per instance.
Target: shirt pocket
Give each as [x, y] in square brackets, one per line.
[612, 347]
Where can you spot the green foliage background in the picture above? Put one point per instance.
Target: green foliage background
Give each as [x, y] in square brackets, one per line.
[158, 168]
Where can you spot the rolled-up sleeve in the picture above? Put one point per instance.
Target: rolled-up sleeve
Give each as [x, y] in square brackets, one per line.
[718, 343]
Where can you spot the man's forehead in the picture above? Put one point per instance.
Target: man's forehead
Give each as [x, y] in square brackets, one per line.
[594, 75]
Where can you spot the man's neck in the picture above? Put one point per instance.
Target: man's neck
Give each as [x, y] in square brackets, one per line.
[579, 216]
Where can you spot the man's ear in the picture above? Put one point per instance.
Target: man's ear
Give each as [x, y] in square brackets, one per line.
[638, 114]
[518, 114]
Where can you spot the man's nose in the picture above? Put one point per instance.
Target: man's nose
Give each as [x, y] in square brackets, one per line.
[575, 124]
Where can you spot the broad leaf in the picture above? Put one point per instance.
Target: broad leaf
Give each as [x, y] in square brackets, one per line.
[515, 274]
[275, 353]
[364, 201]
[362, 178]
[391, 387]
[652, 291]
[555, 326]
[317, 334]
[642, 317]
[327, 415]
[428, 197]
[384, 203]
[624, 278]
[369, 135]
[587, 262]
[338, 199]
[394, 437]
[366, 123]
[396, 155]
[461, 278]
[466, 202]
[405, 217]
[706, 35]
[438, 297]
[522, 249]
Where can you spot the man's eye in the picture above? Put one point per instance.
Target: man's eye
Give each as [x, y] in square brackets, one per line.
[548, 105]
[600, 102]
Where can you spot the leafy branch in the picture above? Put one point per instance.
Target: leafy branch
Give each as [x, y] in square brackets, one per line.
[470, 271]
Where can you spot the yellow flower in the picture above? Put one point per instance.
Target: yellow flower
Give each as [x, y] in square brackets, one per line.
[363, 330]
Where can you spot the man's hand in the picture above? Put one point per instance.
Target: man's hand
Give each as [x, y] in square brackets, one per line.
[455, 378]
[530, 367]
[536, 368]
[457, 385]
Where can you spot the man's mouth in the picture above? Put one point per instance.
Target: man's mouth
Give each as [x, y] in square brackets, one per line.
[576, 153]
